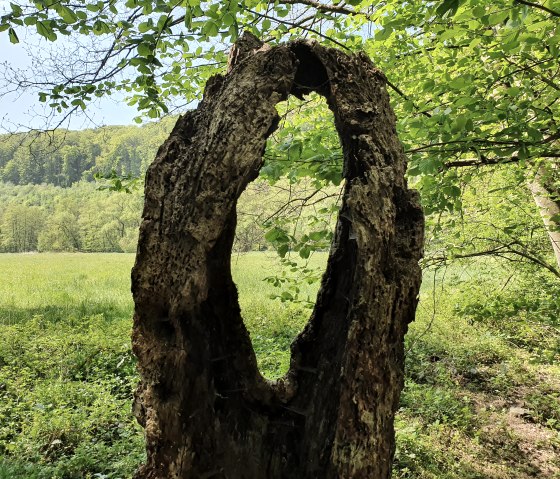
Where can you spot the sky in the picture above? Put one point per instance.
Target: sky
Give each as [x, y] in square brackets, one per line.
[22, 111]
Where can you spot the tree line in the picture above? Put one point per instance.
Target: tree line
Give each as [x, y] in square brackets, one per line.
[81, 218]
[65, 157]
[90, 217]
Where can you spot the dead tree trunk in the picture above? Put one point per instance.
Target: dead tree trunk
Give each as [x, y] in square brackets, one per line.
[207, 411]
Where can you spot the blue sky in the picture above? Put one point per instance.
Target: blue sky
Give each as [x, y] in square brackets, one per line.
[21, 111]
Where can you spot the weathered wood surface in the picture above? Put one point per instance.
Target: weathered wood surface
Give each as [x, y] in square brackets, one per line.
[207, 411]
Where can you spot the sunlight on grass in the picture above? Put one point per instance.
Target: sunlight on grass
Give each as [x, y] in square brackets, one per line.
[58, 285]
[272, 324]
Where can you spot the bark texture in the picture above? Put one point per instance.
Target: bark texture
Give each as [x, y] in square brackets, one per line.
[548, 201]
[207, 411]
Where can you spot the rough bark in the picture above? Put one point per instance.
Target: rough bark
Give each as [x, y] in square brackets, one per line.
[207, 411]
[548, 202]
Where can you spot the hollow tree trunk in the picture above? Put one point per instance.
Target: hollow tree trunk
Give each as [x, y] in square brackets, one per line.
[207, 411]
[548, 202]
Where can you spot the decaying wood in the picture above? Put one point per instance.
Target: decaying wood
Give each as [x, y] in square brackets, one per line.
[207, 411]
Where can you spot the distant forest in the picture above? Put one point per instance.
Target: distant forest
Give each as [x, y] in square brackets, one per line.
[50, 201]
[63, 158]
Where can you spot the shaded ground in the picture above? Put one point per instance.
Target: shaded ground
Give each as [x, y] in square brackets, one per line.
[482, 397]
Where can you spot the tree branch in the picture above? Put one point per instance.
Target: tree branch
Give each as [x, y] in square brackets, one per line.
[540, 7]
[482, 161]
[298, 25]
[529, 69]
[500, 251]
[405, 96]
[488, 144]
[322, 7]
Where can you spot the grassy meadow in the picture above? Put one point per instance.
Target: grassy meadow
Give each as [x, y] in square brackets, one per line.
[482, 394]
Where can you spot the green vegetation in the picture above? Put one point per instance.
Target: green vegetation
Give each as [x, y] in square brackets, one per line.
[468, 409]
[473, 83]
[81, 218]
[482, 394]
[84, 219]
[475, 88]
[63, 158]
[67, 371]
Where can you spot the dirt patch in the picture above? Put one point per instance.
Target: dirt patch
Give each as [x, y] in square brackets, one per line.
[534, 441]
[513, 438]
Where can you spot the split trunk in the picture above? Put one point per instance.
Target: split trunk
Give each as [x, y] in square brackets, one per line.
[206, 409]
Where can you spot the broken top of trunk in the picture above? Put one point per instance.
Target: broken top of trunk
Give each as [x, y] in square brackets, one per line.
[206, 409]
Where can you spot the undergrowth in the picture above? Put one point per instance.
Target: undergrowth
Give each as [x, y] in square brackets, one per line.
[481, 397]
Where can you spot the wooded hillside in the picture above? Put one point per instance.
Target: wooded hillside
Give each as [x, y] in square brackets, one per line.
[63, 157]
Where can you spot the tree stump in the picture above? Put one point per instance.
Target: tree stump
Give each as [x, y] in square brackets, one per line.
[206, 409]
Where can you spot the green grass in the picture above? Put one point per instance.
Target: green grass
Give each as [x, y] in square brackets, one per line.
[468, 376]
[66, 369]
[64, 285]
[67, 372]
[273, 324]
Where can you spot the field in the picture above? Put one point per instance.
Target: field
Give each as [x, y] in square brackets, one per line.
[482, 395]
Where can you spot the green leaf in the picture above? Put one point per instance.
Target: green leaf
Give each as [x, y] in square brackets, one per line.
[228, 19]
[305, 252]
[283, 249]
[459, 123]
[447, 8]
[144, 50]
[271, 235]
[430, 165]
[78, 102]
[286, 296]
[478, 11]
[534, 134]
[448, 33]
[317, 235]
[13, 37]
[498, 17]
[16, 10]
[210, 28]
[428, 85]
[145, 26]
[383, 34]
[452, 191]
[99, 28]
[44, 29]
[458, 83]
[162, 21]
[66, 14]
